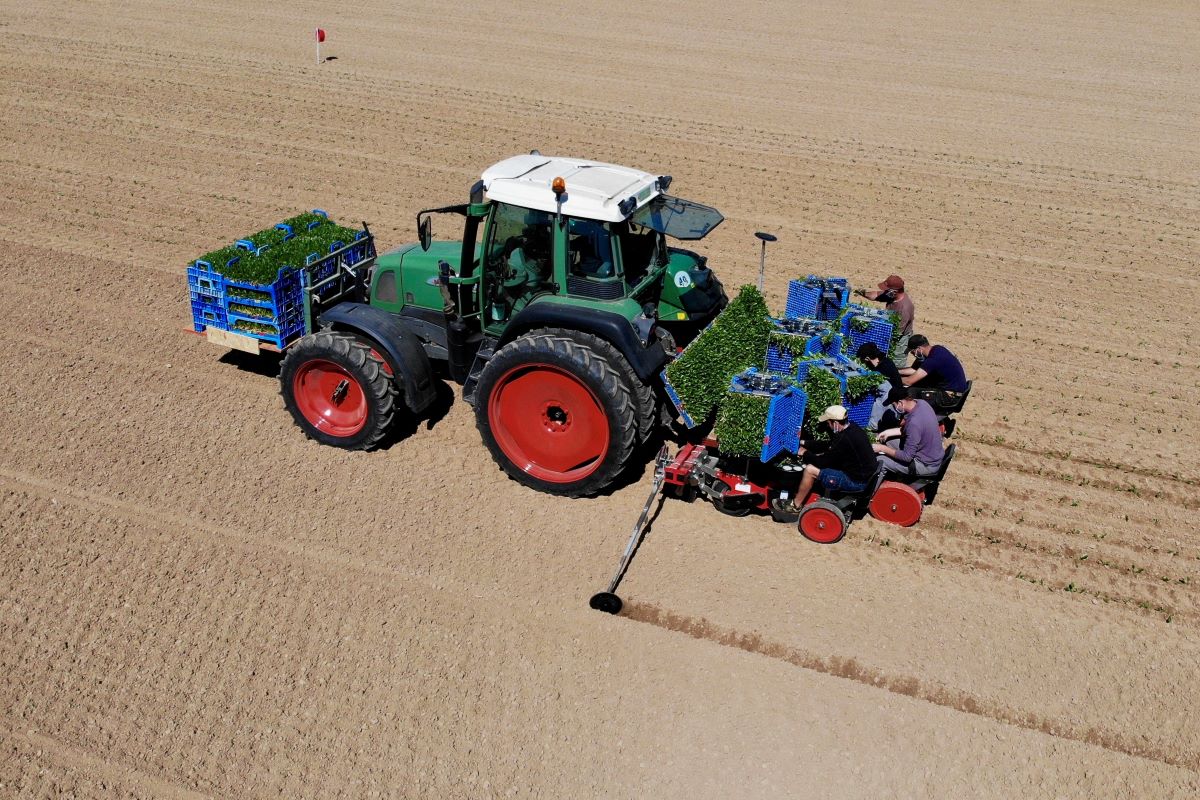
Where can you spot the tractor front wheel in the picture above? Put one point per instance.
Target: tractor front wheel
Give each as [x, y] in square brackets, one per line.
[555, 415]
[338, 390]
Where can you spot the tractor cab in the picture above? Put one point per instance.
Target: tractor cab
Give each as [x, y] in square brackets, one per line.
[599, 242]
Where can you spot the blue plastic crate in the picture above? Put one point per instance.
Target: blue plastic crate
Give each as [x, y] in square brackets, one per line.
[784, 418]
[208, 313]
[879, 329]
[785, 413]
[859, 411]
[203, 278]
[674, 396]
[806, 337]
[817, 298]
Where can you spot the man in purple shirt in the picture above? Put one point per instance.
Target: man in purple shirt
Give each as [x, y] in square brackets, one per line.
[918, 450]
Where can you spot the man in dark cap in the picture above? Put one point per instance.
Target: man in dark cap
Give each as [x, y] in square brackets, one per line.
[918, 451]
[891, 291]
[938, 377]
[873, 359]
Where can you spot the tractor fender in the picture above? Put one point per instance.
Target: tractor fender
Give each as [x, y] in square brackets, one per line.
[613, 328]
[401, 348]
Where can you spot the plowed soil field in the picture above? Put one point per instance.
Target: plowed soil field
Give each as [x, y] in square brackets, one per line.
[196, 601]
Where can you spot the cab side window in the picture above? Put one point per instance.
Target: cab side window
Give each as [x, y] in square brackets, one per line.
[589, 249]
[520, 241]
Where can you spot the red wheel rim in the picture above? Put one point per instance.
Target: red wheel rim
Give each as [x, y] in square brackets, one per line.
[822, 525]
[896, 503]
[330, 398]
[548, 423]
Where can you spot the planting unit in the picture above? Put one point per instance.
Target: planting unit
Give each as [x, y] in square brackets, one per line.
[817, 297]
[793, 339]
[761, 416]
[857, 385]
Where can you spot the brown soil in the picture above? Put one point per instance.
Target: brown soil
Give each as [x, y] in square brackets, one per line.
[195, 601]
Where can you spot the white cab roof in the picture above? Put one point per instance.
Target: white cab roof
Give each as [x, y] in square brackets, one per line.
[594, 189]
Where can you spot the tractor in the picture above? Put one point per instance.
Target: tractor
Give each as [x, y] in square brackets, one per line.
[555, 311]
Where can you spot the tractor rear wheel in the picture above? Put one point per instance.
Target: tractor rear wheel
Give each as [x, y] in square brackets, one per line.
[338, 390]
[644, 403]
[555, 415]
[822, 522]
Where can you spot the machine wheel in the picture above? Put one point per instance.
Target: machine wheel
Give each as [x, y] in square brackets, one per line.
[607, 602]
[644, 403]
[896, 503]
[555, 415]
[822, 522]
[720, 506]
[337, 390]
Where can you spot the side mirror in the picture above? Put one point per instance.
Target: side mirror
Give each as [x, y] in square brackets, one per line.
[425, 232]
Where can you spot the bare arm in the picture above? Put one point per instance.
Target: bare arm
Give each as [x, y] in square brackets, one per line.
[916, 375]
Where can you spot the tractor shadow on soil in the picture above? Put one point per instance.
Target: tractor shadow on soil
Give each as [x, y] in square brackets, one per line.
[407, 424]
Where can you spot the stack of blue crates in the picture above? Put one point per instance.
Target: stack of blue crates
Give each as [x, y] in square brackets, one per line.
[817, 298]
[784, 415]
[879, 328]
[274, 312]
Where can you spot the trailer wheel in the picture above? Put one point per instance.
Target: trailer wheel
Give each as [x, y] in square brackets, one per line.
[822, 522]
[896, 503]
[337, 390]
[555, 415]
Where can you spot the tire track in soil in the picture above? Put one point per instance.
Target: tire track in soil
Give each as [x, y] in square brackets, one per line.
[906, 685]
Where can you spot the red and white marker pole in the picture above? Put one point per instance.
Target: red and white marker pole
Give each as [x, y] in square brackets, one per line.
[320, 38]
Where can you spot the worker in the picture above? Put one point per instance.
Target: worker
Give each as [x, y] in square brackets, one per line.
[915, 448]
[938, 376]
[848, 464]
[891, 292]
[873, 359]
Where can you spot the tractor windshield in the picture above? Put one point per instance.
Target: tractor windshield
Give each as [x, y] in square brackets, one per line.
[677, 218]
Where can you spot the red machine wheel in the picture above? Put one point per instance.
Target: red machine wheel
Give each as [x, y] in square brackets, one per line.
[337, 391]
[330, 398]
[555, 415]
[550, 421]
[822, 522]
[896, 503]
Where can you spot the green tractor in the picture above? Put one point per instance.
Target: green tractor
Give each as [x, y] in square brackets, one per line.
[556, 311]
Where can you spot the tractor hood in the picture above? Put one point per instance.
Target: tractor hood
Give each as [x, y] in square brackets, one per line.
[417, 270]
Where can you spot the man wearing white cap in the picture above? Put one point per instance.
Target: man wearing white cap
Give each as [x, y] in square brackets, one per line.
[846, 466]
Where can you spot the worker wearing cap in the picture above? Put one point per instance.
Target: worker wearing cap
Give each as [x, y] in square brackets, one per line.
[915, 448]
[874, 359]
[848, 464]
[938, 377]
[891, 291]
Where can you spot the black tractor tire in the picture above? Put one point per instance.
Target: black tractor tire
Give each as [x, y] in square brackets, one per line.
[337, 390]
[646, 406]
[555, 415]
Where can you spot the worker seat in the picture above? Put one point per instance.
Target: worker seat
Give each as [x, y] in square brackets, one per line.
[962, 401]
[928, 485]
[855, 503]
